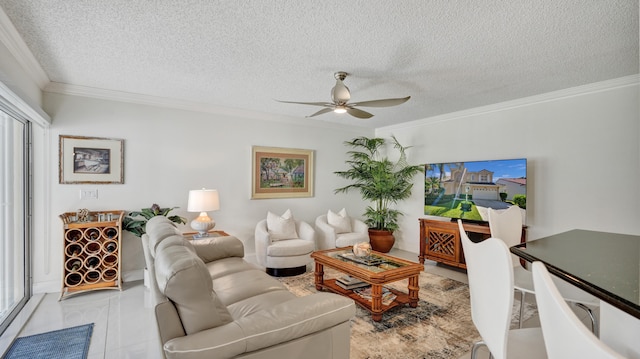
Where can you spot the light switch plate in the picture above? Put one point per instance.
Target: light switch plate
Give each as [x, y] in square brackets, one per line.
[88, 194]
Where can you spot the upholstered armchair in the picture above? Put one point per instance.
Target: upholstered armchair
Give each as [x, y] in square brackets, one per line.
[284, 244]
[339, 230]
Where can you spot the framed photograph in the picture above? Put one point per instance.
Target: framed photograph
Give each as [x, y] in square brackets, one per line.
[281, 173]
[91, 160]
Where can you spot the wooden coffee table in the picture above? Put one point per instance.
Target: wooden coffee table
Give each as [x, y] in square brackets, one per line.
[382, 269]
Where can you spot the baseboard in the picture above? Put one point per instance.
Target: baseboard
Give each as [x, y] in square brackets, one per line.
[132, 276]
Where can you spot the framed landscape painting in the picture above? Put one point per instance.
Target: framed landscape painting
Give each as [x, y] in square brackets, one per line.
[91, 160]
[281, 172]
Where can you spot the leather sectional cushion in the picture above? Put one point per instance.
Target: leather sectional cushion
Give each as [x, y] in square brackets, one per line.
[264, 301]
[158, 230]
[226, 266]
[177, 268]
[235, 287]
[214, 248]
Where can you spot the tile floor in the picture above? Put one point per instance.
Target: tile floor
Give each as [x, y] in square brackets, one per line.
[124, 322]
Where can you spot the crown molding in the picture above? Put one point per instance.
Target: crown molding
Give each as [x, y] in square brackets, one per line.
[17, 104]
[157, 101]
[15, 44]
[632, 80]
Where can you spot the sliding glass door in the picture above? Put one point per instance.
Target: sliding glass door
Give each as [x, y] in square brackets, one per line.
[14, 200]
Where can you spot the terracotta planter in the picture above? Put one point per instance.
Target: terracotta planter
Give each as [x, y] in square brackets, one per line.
[381, 240]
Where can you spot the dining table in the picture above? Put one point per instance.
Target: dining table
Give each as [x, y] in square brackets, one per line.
[606, 265]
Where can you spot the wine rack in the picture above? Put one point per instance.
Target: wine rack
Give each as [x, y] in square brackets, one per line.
[91, 252]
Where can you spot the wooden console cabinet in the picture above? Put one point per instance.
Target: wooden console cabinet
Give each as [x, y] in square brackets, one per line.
[440, 240]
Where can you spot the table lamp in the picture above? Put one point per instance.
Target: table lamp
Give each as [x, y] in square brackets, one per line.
[203, 200]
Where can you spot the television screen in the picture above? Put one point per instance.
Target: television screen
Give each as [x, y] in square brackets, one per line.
[466, 189]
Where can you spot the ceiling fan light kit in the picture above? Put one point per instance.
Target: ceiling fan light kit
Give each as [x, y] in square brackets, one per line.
[340, 96]
[340, 109]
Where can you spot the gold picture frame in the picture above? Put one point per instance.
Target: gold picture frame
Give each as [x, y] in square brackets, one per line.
[93, 160]
[281, 172]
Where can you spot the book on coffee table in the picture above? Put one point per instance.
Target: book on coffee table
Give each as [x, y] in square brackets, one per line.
[349, 282]
[387, 296]
[352, 286]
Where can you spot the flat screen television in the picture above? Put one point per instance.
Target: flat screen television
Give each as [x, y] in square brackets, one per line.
[465, 190]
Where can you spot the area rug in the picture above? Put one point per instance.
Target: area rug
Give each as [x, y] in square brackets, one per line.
[440, 327]
[68, 343]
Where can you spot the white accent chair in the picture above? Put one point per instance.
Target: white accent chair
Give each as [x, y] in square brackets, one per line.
[507, 226]
[490, 276]
[565, 336]
[339, 230]
[284, 244]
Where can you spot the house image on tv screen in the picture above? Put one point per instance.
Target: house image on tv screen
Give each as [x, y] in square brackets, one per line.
[466, 189]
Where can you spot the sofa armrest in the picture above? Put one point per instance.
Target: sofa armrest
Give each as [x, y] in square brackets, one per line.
[262, 242]
[306, 232]
[359, 226]
[214, 248]
[168, 320]
[281, 323]
[326, 233]
[156, 296]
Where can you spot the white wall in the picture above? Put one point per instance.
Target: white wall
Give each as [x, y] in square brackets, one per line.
[14, 77]
[167, 153]
[582, 151]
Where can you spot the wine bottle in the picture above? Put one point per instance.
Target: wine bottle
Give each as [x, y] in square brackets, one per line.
[75, 265]
[111, 246]
[93, 262]
[110, 232]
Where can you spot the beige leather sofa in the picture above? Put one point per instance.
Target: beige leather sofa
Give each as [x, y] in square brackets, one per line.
[211, 303]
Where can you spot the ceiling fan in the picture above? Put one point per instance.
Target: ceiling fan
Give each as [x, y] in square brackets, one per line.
[340, 97]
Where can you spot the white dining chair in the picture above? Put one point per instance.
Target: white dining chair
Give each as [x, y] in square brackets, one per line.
[565, 336]
[507, 226]
[490, 275]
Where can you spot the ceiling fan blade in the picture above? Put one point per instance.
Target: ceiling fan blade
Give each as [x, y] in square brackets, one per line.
[382, 103]
[358, 113]
[324, 110]
[325, 104]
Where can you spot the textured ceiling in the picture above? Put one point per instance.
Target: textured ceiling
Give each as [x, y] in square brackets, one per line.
[241, 55]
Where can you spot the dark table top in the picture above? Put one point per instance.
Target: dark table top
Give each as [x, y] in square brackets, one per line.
[607, 265]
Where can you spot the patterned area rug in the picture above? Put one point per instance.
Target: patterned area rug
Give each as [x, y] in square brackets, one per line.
[440, 327]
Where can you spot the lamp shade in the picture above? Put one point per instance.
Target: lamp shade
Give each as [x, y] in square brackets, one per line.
[203, 200]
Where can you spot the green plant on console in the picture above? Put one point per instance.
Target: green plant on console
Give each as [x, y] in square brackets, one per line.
[136, 222]
[378, 179]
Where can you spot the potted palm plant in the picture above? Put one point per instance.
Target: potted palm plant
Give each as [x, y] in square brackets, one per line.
[381, 182]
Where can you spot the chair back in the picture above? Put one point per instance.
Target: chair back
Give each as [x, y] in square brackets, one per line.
[565, 336]
[507, 225]
[490, 275]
